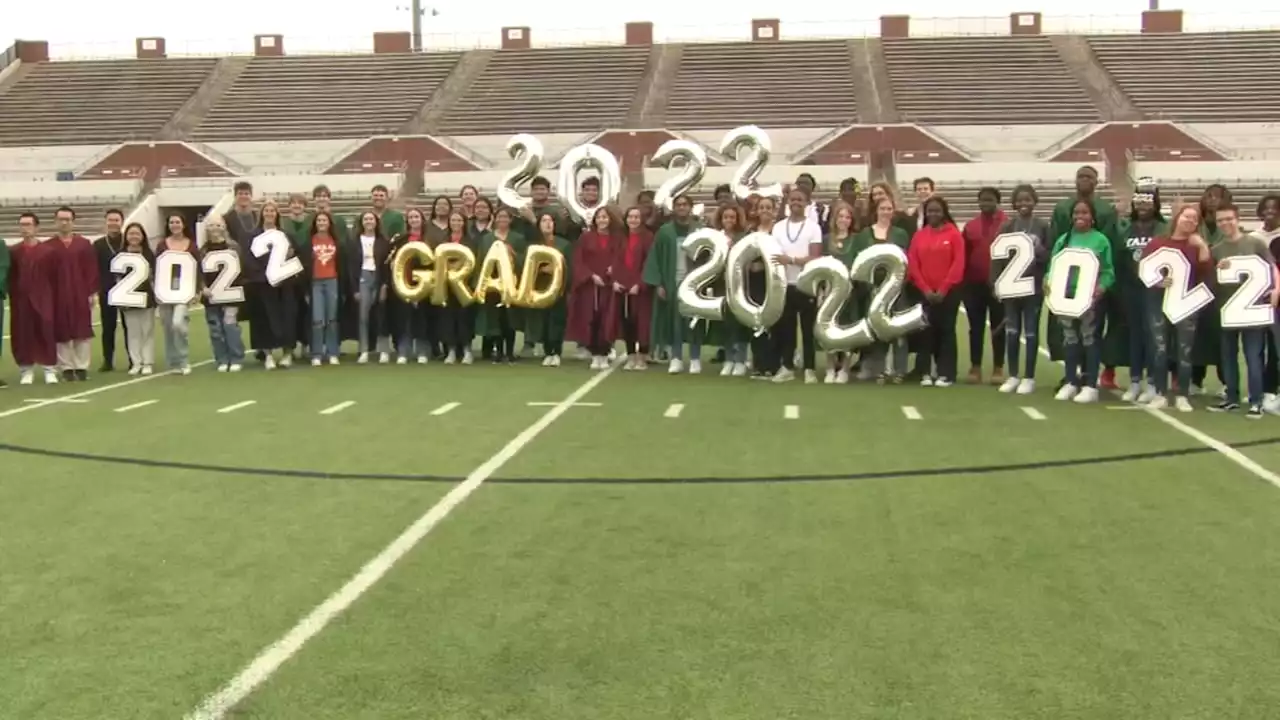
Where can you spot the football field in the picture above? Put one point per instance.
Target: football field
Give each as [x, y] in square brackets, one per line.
[524, 543]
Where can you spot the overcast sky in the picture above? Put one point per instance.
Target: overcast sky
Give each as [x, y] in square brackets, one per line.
[104, 28]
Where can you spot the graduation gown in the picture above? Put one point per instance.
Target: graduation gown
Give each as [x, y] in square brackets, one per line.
[628, 271]
[488, 314]
[550, 322]
[393, 223]
[75, 275]
[660, 273]
[593, 255]
[31, 294]
[1115, 346]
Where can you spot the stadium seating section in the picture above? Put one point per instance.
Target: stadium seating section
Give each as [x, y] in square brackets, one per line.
[286, 98]
[550, 90]
[84, 103]
[785, 84]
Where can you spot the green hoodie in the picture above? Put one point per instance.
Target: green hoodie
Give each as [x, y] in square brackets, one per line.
[1096, 243]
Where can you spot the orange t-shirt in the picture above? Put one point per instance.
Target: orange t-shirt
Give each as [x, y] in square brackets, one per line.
[324, 252]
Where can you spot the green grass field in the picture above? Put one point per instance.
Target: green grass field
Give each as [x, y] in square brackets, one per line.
[556, 546]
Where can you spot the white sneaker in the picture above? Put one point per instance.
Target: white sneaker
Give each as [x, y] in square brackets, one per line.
[138, 368]
[1271, 404]
[286, 361]
[451, 358]
[185, 370]
[695, 367]
[537, 350]
[595, 362]
[613, 355]
[1196, 389]
[1027, 386]
[28, 378]
[830, 377]
[1148, 394]
[402, 360]
[1133, 393]
[1010, 384]
[740, 370]
[234, 367]
[546, 361]
[384, 358]
[630, 365]
[1158, 402]
[221, 368]
[268, 363]
[555, 361]
[467, 358]
[316, 362]
[676, 367]
[842, 377]
[334, 360]
[942, 383]
[1066, 392]
[727, 370]
[362, 358]
[50, 377]
[1087, 395]
[1183, 404]
[784, 375]
[423, 359]
[810, 377]
[146, 370]
[926, 381]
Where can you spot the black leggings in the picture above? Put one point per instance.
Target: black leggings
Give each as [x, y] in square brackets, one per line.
[598, 347]
[938, 338]
[979, 304]
[502, 345]
[454, 325]
[764, 357]
[798, 314]
[630, 321]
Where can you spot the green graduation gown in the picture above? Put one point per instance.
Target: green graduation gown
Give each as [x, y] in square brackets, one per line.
[487, 315]
[660, 272]
[856, 308]
[393, 223]
[1115, 345]
[548, 325]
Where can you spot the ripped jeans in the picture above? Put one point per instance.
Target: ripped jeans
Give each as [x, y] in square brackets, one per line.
[1080, 345]
[1183, 335]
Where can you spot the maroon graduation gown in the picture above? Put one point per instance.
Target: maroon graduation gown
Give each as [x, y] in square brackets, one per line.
[628, 271]
[31, 304]
[75, 269]
[592, 255]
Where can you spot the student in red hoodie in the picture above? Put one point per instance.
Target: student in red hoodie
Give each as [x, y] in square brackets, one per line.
[935, 267]
[979, 300]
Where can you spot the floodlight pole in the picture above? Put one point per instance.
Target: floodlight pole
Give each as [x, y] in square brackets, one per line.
[416, 8]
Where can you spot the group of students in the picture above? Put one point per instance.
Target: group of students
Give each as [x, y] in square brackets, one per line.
[623, 273]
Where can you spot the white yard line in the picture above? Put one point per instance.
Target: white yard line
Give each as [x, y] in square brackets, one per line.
[275, 655]
[237, 406]
[102, 388]
[911, 413]
[47, 401]
[445, 408]
[791, 412]
[335, 409]
[674, 411]
[135, 406]
[1033, 413]
[556, 404]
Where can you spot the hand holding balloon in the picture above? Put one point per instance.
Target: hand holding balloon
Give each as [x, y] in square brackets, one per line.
[763, 247]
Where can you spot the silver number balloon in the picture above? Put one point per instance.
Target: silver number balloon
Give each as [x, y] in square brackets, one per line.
[527, 151]
[588, 157]
[695, 166]
[750, 146]
[693, 295]
[885, 323]
[830, 273]
[757, 316]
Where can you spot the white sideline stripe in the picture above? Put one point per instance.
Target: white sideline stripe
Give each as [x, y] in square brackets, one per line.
[556, 404]
[674, 411]
[337, 408]
[94, 391]
[445, 408]
[1033, 413]
[911, 413]
[46, 401]
[275, 655]
[791, 412]
[1205, 439]
[136, 405]
[237, 406]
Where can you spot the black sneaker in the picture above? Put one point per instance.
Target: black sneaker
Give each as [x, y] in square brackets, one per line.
[68, 376]
[1255, 412]
[106, 368]
[1224, 406]
[82, 375]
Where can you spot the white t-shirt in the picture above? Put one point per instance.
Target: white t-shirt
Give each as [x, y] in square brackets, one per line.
[795, 239]
[366, 252]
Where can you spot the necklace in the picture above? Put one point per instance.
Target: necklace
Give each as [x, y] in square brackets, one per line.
[792, 239]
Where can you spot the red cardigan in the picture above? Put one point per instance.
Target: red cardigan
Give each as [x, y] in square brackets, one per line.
[979, 233]
[935, 259]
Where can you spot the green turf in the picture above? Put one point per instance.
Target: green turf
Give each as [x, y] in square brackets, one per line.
[974, 563]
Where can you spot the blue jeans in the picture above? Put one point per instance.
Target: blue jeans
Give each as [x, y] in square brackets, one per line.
[1142, 351]
[175, 321]
[1022, 320]
[695, 339]
[1080, 344]
[1253, 340]
[224, 334]
[324, 318]
[370, 322]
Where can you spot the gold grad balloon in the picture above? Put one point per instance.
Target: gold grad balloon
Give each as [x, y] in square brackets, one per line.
[497, 275]
[454, 263]
[541, 260]
[757, 316]
[411, 273]
[827, 330]
[693, 295]
[885, 323]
